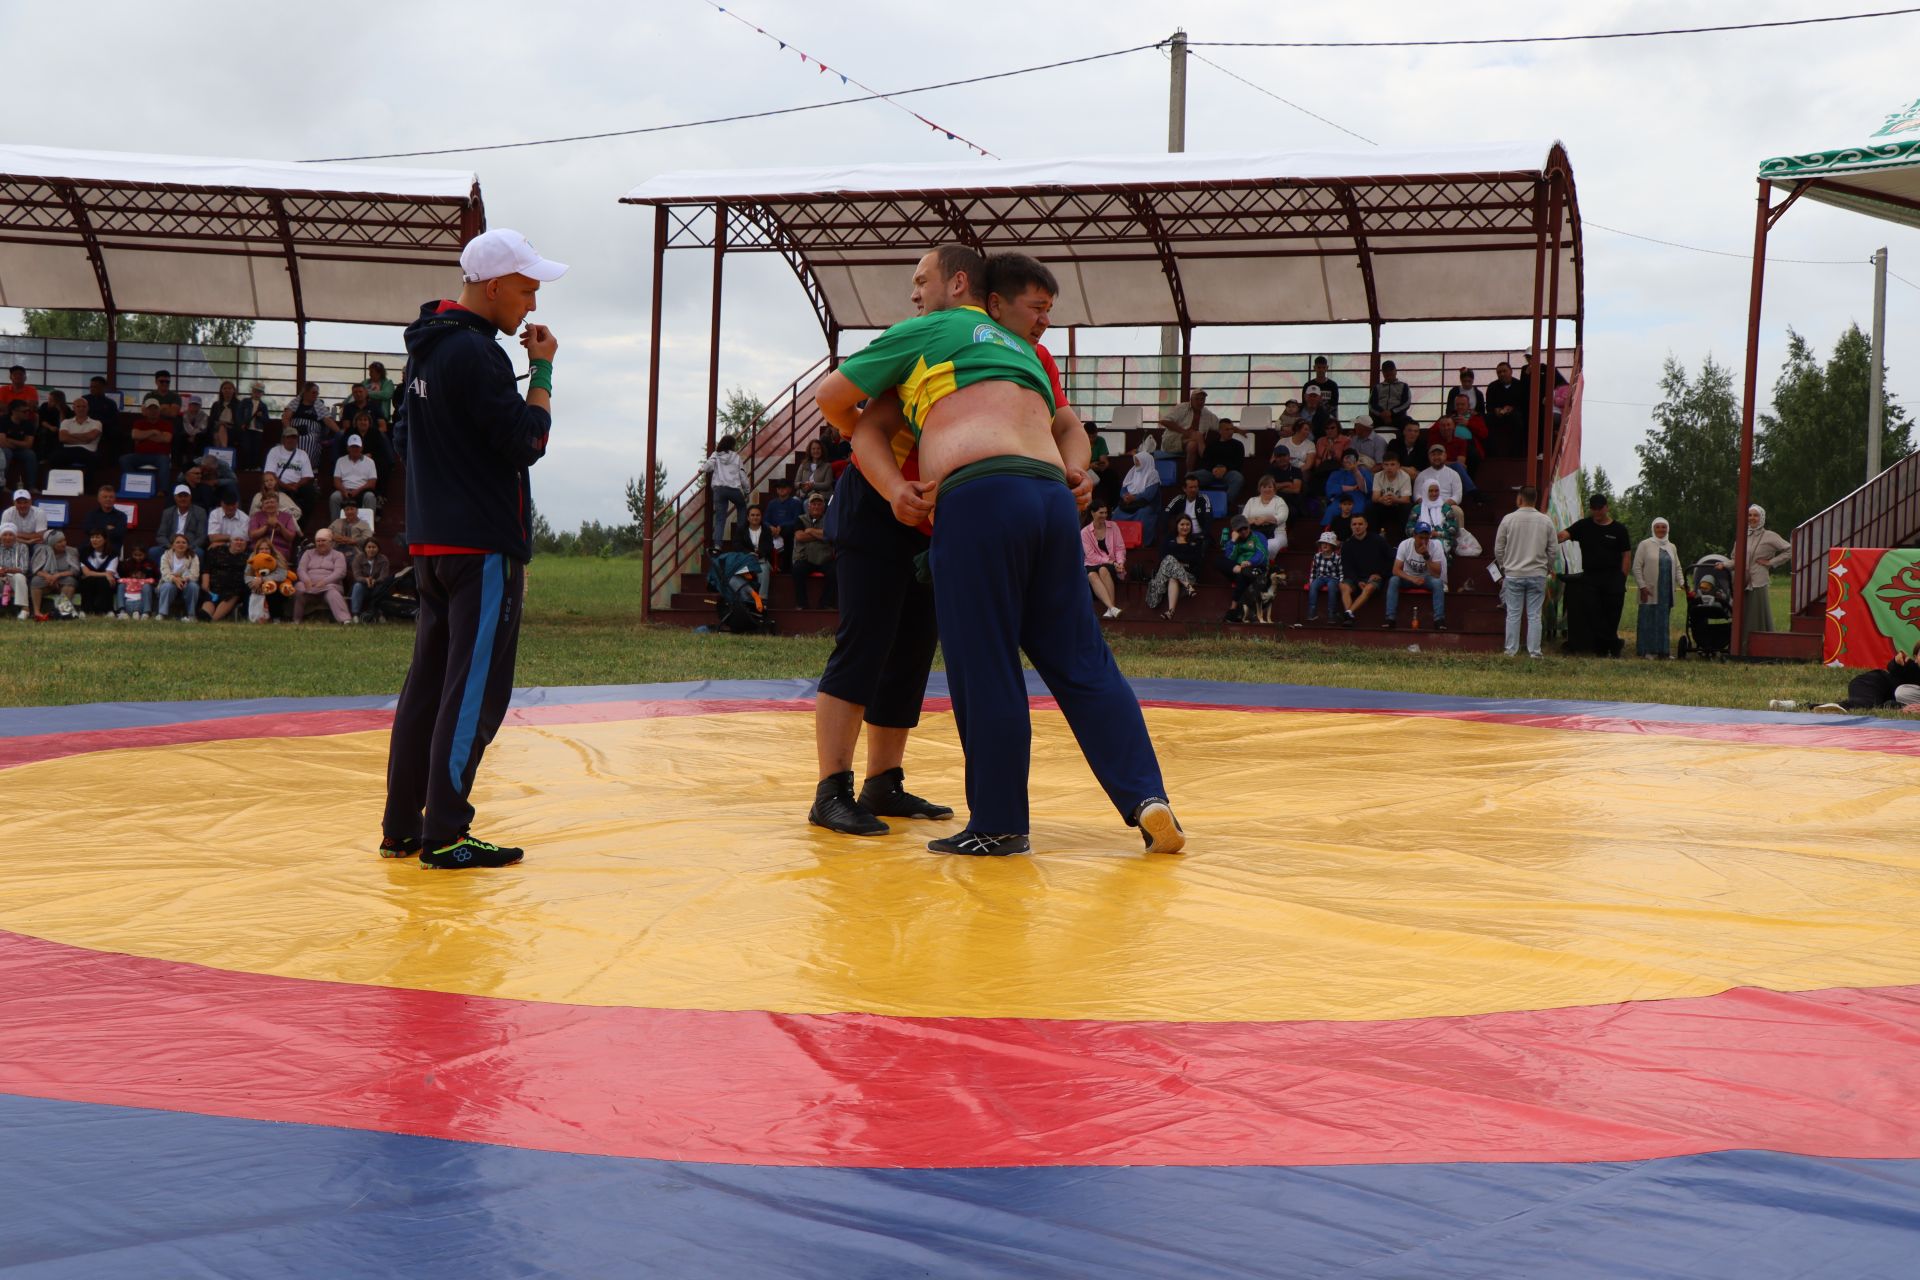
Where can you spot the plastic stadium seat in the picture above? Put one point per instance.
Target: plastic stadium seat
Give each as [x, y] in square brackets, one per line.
[1259, 417]
[1126, 417]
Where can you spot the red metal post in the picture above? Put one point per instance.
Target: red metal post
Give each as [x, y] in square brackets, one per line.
[1186, 361]
[713, 350]
[1761, 224]
[1533, 346]
[653, 409]
[1550, 445]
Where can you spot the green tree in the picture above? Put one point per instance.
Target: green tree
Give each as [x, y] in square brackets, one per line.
[662, 501]
[1690, 461]
[1811, 451]
[743, 414]
[91, 326]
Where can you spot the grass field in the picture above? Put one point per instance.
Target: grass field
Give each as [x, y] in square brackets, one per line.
[583, 627]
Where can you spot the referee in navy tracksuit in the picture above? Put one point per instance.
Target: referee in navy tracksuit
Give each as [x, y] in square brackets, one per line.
[467, 439]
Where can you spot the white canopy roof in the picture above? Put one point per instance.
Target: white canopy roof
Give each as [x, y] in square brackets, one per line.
[247, 239]
[1191, 239]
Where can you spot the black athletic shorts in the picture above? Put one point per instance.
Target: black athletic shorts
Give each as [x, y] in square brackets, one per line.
[883, 651]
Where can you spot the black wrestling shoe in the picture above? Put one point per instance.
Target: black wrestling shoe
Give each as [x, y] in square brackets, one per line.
[1158, 827]
[978, 844]
[468, 852]
[399, 846]
[835, 808]
[886, 796]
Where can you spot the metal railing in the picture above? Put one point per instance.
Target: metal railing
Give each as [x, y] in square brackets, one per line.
[1884, 512]
[792, 419]
[66, 365]
[1097, 385]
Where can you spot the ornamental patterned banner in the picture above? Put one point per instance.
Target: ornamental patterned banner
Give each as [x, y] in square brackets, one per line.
[1873, 606]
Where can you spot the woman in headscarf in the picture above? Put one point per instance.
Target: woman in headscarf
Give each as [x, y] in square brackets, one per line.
[1656, 571]
[1138, 488]
[1442, 518]
[1766, 550]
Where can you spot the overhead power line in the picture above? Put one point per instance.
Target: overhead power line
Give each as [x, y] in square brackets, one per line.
[1200, 57]
[1724, 253]
[1487, 40]
[747, 115]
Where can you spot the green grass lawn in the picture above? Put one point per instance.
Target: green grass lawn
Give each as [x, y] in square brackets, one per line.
[582, 627]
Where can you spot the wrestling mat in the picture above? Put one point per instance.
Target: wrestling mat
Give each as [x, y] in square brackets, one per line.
[1444, 987]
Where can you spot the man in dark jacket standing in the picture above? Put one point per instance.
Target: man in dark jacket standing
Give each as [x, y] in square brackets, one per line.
[467, 439]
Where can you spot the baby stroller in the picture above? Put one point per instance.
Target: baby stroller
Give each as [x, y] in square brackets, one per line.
[735, 575]
[1709, 609]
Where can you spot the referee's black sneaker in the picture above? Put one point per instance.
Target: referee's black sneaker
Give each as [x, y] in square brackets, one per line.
[399, 846]
[886, 795]
[978, 844]
[835, 808]
[467, 852]
[1158, 827]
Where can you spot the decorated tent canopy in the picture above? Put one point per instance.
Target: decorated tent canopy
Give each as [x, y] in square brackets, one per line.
[1190, 239]
[271, 240]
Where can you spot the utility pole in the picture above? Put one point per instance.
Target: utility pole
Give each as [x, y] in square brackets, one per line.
[1176, 142]
[1876, 376]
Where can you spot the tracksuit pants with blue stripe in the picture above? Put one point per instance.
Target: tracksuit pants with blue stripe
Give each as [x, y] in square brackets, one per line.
[456, 691]
[1009, 576]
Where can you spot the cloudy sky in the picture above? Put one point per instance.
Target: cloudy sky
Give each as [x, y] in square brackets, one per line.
[1664, 135]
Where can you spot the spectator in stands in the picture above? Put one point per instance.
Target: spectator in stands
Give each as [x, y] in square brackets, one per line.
[1298, 444]
[223, 578]
[28, 520]
[267, 572]
[1506, 411]
[1523, 552]
[1348, 481]
[1327, 453]
[1180, 564]
[1419, 562]
[726, 474]
[1324, 386]
[253, 413]
[1289, 415]
[322, 575]
[1476, 401]
[179, 580]
[1189, 502]
[1463, 433]
[755, 537]
[310, 421]
[1245, 554]
[1106, 476]
[167, 398]
[1452, 484]
[1444, 517]
[226, 521]
[1409, 444]
[838, 448]
[351, 527]
[18, 389]
[270, 484]
[783, 517]
[79, 437]
[194, 426]
[291, 466]
[1140, 492]
[224, 419]
[1289, 481]
[354, 478]
[1221, 459]
[372, 579]
[1185, 427]
[1105, 556]
[107, 518]
[816, 472]
[1392, 400]
[105, 410]
[52, 412]
[1267, 512]
[17, 436]
[1342, 513]
[380, 390]
[138, 576]
[1658, 575]
[1314, 410]
[812, 553]
[1766, 551]
[16, 568]
[1369, 444]
[181, 518]
[358, 401]
[56, 568]
[271, 522]
[1365, 561]
[1598, 594]
[1324, 576]
[377, 435]
[218, 480]
[99, 576]
[1533, 381]
[152, 445]
[1390, 494]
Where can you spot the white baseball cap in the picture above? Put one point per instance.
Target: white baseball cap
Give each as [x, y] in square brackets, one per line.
[355, 440]
[180, 488]
[501, 252]
[22, 493]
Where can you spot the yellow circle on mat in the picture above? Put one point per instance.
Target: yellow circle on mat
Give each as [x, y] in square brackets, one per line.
[1340, 867]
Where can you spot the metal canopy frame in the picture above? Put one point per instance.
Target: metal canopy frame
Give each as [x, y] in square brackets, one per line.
[298, 226]
[1362, 219]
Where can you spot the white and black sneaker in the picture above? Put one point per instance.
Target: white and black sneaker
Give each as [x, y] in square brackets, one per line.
[978, 844]
[1158, 827]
